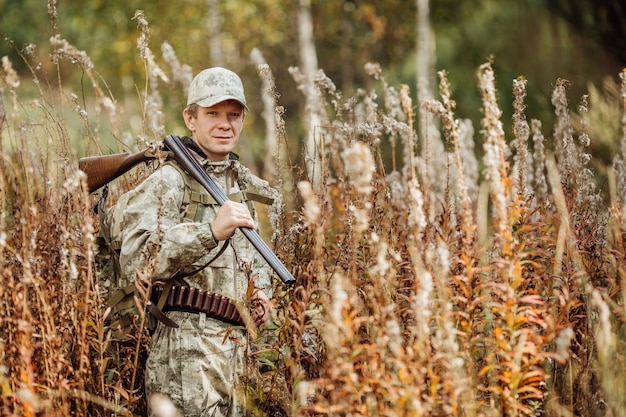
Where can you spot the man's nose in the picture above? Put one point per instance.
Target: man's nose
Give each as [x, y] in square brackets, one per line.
[223, 121]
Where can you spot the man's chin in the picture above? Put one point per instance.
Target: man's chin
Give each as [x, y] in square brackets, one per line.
[218, 156]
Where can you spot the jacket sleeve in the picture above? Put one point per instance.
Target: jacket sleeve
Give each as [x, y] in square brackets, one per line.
[152, 232]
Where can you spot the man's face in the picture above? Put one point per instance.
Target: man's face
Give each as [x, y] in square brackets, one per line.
[216, 129]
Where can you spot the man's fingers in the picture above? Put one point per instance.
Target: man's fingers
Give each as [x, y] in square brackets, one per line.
[229, 218]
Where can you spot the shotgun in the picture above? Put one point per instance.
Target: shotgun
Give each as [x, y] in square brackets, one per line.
[103, 169]
[189, 163]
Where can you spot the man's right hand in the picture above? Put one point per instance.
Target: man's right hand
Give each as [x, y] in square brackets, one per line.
[231, 216]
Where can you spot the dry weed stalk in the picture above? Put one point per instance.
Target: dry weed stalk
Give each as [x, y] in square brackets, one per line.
[495, 159]
[153, 104]
[522, 158]
[618, 193]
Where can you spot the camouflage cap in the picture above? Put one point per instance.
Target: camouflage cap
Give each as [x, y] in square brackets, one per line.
[214, 85]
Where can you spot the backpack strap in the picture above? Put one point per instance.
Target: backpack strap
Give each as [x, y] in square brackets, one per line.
[116, 297]
[196, 198]
[193, 197]
[240, 197]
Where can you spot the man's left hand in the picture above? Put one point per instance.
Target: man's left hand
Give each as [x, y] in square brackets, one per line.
[261, 307]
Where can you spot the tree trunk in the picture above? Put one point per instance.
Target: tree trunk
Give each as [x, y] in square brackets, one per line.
[308, 58]
[346, 45]
[215, 29]
[425, 51]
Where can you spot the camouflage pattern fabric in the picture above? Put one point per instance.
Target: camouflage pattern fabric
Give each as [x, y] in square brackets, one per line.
[203, 376]
[194, 365]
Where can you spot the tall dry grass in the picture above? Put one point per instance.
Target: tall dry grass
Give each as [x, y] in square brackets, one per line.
[441, 289]
[440, 284]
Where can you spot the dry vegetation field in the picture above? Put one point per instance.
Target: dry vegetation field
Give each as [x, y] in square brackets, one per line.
[445, 285]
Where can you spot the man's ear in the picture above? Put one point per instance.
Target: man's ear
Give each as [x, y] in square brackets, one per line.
[189, 119]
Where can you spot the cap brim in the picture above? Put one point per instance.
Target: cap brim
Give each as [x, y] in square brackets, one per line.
[212, 101]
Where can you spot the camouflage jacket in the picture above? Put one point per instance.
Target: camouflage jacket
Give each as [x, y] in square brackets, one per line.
[150, 228]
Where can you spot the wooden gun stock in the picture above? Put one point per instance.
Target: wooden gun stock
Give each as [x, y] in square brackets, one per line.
[103, 169]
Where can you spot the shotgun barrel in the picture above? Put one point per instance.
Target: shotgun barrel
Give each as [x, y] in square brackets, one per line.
[189, 163]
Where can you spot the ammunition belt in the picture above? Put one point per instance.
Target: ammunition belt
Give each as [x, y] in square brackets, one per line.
[194, 300]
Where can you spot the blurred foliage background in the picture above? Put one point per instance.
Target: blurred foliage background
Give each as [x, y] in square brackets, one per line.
[583, 41]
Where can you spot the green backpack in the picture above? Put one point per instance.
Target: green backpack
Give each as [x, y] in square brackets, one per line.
[129, 302]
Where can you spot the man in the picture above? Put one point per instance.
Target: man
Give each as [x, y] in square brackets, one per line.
[196, 364]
